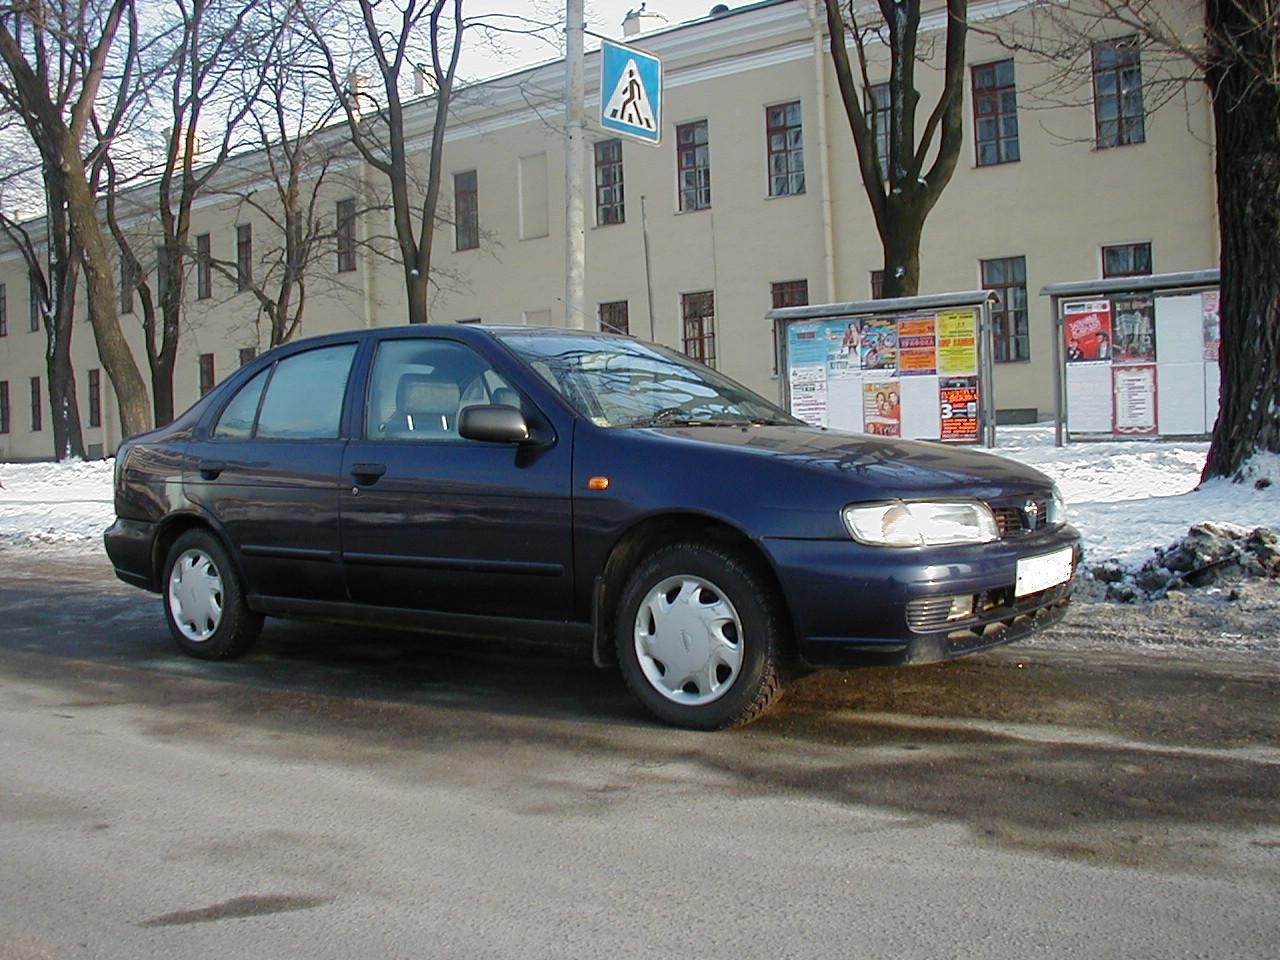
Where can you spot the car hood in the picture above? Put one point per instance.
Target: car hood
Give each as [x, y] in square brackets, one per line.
[909, 467]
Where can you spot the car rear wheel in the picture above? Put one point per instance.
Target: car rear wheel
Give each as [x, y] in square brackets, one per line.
[203, 599]
[699, 637]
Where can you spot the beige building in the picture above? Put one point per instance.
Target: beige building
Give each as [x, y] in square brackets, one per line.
[751, 200]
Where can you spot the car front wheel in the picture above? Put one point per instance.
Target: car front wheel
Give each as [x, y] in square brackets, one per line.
[203, 599]
[699, 637]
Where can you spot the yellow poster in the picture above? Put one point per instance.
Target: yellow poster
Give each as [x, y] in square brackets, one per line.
[958, 343]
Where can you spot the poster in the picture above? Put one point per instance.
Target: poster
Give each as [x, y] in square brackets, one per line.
[917, 345]
[1087, 329]
[1134, 329]
[844, 340]
[958, 343]
[958, 405]
[882, 410]
[879, 344]
[809, 401]
[1212, 324]
[1133, 390]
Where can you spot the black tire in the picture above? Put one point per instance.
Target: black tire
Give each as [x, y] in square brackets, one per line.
[204, 600]
[718, 694]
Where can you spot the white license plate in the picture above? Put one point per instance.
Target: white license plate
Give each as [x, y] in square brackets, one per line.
[1041, 573]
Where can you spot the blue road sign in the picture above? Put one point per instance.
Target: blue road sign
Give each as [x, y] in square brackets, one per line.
[630, 92]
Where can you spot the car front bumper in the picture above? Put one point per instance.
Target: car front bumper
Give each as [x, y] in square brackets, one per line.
[849, 602]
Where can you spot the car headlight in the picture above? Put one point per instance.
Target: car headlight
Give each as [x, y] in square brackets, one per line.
[927, 524]
[1057, 509]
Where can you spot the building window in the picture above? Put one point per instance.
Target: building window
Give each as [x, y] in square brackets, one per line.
[995, 113]
[613, 317]
[787, 293]
[204, 267]
[1127, 260]
[466, 210]
[879, 111]
[37, 406]
[206, 373]
[34, 306]
[164, 269]
[1117, 93]
[698, 311]
[247, 354]
[4, 310]
[244, 256]
[1008, 278]
[786, 149]
[693, 159]
[95, 397]
[610, 199]
[877, 284]
[346, 235]
[4, 406]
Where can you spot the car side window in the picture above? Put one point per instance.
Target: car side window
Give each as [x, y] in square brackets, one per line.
[418, 389]
[304, 397]
[236, 421]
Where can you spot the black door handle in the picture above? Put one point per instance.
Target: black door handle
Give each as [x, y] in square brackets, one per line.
[368, 472]
[209, 469]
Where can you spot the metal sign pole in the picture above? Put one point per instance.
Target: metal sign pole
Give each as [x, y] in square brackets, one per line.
[575, 218]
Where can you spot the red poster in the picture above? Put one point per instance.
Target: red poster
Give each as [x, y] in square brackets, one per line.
[1133, 396]
[1087, 329]
[958, 405]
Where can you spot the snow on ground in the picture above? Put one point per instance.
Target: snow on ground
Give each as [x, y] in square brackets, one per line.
[1126, 497]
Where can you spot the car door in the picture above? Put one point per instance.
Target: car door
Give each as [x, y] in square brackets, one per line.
[432, 521]
[268, 469]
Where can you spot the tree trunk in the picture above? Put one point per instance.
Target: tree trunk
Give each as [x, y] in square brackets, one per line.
[1246, 113]
[903, 228]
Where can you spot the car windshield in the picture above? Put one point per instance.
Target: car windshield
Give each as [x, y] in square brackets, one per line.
[618, 382]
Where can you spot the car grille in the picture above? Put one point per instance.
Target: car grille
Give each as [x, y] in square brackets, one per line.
[928, 614]
[931, 614]
[1017, 520]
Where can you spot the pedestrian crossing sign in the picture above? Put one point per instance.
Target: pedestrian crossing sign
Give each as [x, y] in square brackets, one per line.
[630, 92]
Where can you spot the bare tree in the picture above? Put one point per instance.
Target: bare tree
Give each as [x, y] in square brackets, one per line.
[904, 186]
[388, 47]
[55, 58]
[215, 45]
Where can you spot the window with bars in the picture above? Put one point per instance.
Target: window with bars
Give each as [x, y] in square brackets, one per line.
[614, 318]
[610, 197]
[346, 235]
[1127, 260]
[95, 397]
[877, 284]
[1119, 116]
[4, 406]
[244, 256]
[879, 112]
[34, 306]
[995, 113]
[693, 161]
[4, 310]
[466, 211]
[247, 354]
[206, 373]
[786, 149]
[1012, 335]
[698, 311]
[37, 406]
[204, 267]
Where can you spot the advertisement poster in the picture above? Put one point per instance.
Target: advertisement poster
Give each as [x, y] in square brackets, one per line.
[958, 343]
[882, 412]
[1087, 328]
[806, 345]
[1133, 325]
[809, 401]
[1212, 324]
[917, 346]
[844, 340]
[879, 344]
[958, 404]
[1133, 392]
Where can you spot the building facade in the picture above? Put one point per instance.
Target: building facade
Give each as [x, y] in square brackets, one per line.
[751, 200]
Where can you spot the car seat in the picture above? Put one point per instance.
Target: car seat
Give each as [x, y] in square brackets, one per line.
[425, 406]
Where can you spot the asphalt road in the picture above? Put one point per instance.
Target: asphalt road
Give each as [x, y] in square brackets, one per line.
[346, 794]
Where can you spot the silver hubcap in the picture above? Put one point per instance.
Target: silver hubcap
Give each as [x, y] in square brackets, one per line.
[195, 595]
[688, 640]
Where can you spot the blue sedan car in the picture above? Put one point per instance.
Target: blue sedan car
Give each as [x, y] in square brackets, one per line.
[582, 488]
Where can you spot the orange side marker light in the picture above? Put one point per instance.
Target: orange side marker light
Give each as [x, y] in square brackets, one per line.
[598, 483]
